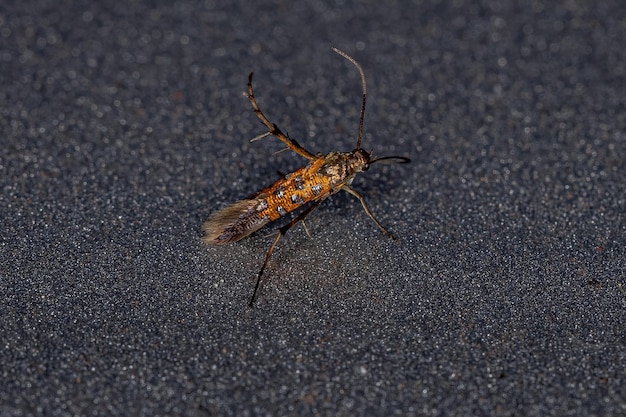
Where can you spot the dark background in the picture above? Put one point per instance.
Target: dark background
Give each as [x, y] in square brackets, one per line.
[125, 124]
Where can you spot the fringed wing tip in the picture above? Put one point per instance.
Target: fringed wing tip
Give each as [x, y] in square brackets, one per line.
[231, 223]
[211, 234]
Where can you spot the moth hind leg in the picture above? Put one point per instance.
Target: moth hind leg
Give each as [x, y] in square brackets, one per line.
[292, 144]
[281, 232]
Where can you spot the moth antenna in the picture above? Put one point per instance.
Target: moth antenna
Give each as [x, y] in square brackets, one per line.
[391, 160]
[356, 64]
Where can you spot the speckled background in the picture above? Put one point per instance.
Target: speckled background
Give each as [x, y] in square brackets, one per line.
[125, 124]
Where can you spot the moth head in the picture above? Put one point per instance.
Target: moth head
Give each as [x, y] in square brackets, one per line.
[360, 160]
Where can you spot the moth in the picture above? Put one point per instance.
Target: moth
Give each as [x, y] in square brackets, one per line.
[308, 186]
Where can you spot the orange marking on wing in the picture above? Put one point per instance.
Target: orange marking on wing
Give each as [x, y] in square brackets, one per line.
[296, 189]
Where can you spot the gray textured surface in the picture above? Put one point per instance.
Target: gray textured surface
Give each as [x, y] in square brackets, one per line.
[124, 126]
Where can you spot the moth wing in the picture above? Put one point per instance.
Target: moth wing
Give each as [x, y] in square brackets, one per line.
[234, 222]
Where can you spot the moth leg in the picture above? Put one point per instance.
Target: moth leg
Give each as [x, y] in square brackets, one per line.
[367, 210]
[306, 229]
[281, 232]
[274, 130]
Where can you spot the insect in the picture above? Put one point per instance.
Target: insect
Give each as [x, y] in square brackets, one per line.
[323, 176]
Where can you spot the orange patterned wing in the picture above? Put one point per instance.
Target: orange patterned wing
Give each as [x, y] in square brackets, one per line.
[244, 217]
